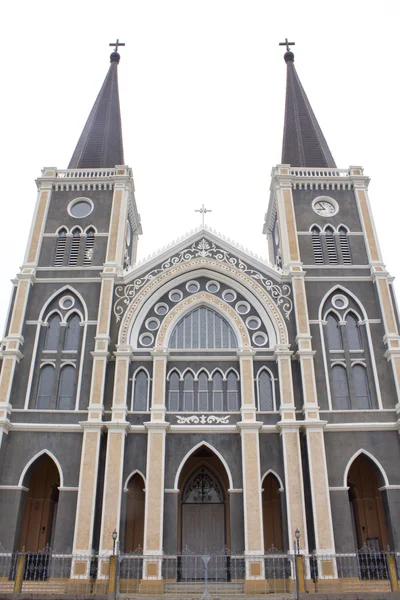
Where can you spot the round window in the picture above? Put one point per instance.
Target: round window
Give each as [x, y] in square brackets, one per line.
[66, 302]
[229, 295]
[242, 307]
[153, 324]
[175, 295]
[146, 339]
[212, 287]
[253, 322]
[339, 301]
[161, 309]
[80, 207]
[192, 286]
[260, 339]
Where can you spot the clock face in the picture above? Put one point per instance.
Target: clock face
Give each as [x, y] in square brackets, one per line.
[324, 208]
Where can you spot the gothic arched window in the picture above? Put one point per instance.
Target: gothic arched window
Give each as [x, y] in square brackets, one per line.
[203, 328]
[331, 245]
[46, 387]
[353, 333]
[188, 391]
[53, 334]
[140, 391]
[361, 387]
[60, 248]
[203, 392]
[173, 392]
[232, 392]
[89, 247]
[218, 392]
[344, 245]
[317, 245]
[340, 388]
[74, 248]
[265, 391]
[66, 388]
[72, 334]
[334, 334]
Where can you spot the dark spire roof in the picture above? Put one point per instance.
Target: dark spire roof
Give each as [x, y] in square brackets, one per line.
[304, 144]
[100, 145]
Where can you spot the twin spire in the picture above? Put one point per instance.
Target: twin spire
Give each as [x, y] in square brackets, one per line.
[100, 144]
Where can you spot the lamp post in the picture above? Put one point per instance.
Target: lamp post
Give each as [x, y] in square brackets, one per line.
[297, 536]
[114, 538]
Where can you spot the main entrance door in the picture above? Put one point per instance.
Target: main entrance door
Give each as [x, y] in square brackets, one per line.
[203, 527]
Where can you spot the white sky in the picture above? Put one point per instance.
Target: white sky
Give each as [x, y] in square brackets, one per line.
[202, 87]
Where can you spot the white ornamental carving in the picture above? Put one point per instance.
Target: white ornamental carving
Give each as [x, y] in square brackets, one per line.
[203, 420]
[203, 249]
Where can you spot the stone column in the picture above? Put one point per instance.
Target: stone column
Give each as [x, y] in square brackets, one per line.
[252, 500]
[155, 473]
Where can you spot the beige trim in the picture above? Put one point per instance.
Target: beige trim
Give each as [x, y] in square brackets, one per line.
[107, 288]
[21, 299]
[294, 485]
[366, 218]
[114, 226]
[291, 225]
[253, 523]
[300, 303]
[35, 241]
[387, 307]
[154, 503]
[247, 384]
[159, 379]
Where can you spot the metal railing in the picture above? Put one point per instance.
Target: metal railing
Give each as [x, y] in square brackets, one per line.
[206, 577]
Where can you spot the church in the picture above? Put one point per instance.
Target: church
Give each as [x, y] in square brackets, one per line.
[202, 401]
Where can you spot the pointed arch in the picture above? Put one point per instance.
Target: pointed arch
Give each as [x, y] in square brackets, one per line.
[89, 228]
[140, 390]
[219, 371]
[132, 474]
[275, 474]
[231, 369]
[262, 395]
[62, 228]
[34, 459]
[345, 290]
[344, 244]
[75, 246]
[331, 243]
[53, 312]
[315, 227]
[176, 370]
[316, 242]
[188, 370]
[58, 292]
[372, 458]
[61, 243]
[203, 370]
[191, 451]
[89, 245]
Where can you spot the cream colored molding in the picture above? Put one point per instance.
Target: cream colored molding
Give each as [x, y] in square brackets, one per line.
[17, 488]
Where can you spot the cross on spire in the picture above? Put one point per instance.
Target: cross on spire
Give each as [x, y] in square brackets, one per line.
[116, 44]
[285, 43]
[203, 211]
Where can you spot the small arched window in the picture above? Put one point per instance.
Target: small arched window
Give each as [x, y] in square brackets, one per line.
[188, 391]
[203, 392]
[361, 387]
[265, 391]
[73, 334]
[353, 333]
[218, 392]
[74, 248]
[173, 392]
[45, 388]
[60, 248]
[66, 388]
[317, 245]
[334, 335]
[340, 388]
[331, 245]
[232, 392]
[344, 246]
[52, 334]
[89, 247]
[140, 391]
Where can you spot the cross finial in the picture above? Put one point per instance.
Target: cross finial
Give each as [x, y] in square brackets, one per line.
[287, 44]
[203, 211]
[116, 44]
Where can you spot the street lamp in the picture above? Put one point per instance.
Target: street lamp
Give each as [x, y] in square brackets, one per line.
[114, 538]
[297, 535]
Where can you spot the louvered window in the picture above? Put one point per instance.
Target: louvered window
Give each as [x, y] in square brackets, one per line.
[60, 248]
[331, 245]
[317, 245]
[74, 249]
[344, 246]
[89, 247]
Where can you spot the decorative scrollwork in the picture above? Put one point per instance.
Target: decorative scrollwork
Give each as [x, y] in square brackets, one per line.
[203, 420]
[203, 249]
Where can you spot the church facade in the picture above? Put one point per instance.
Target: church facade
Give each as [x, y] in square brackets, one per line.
[203, 400]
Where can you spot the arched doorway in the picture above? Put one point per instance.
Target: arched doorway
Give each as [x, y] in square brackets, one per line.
[272, 515]
[204, 515]
[40, 510]
[134, 528]
[369, 525]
